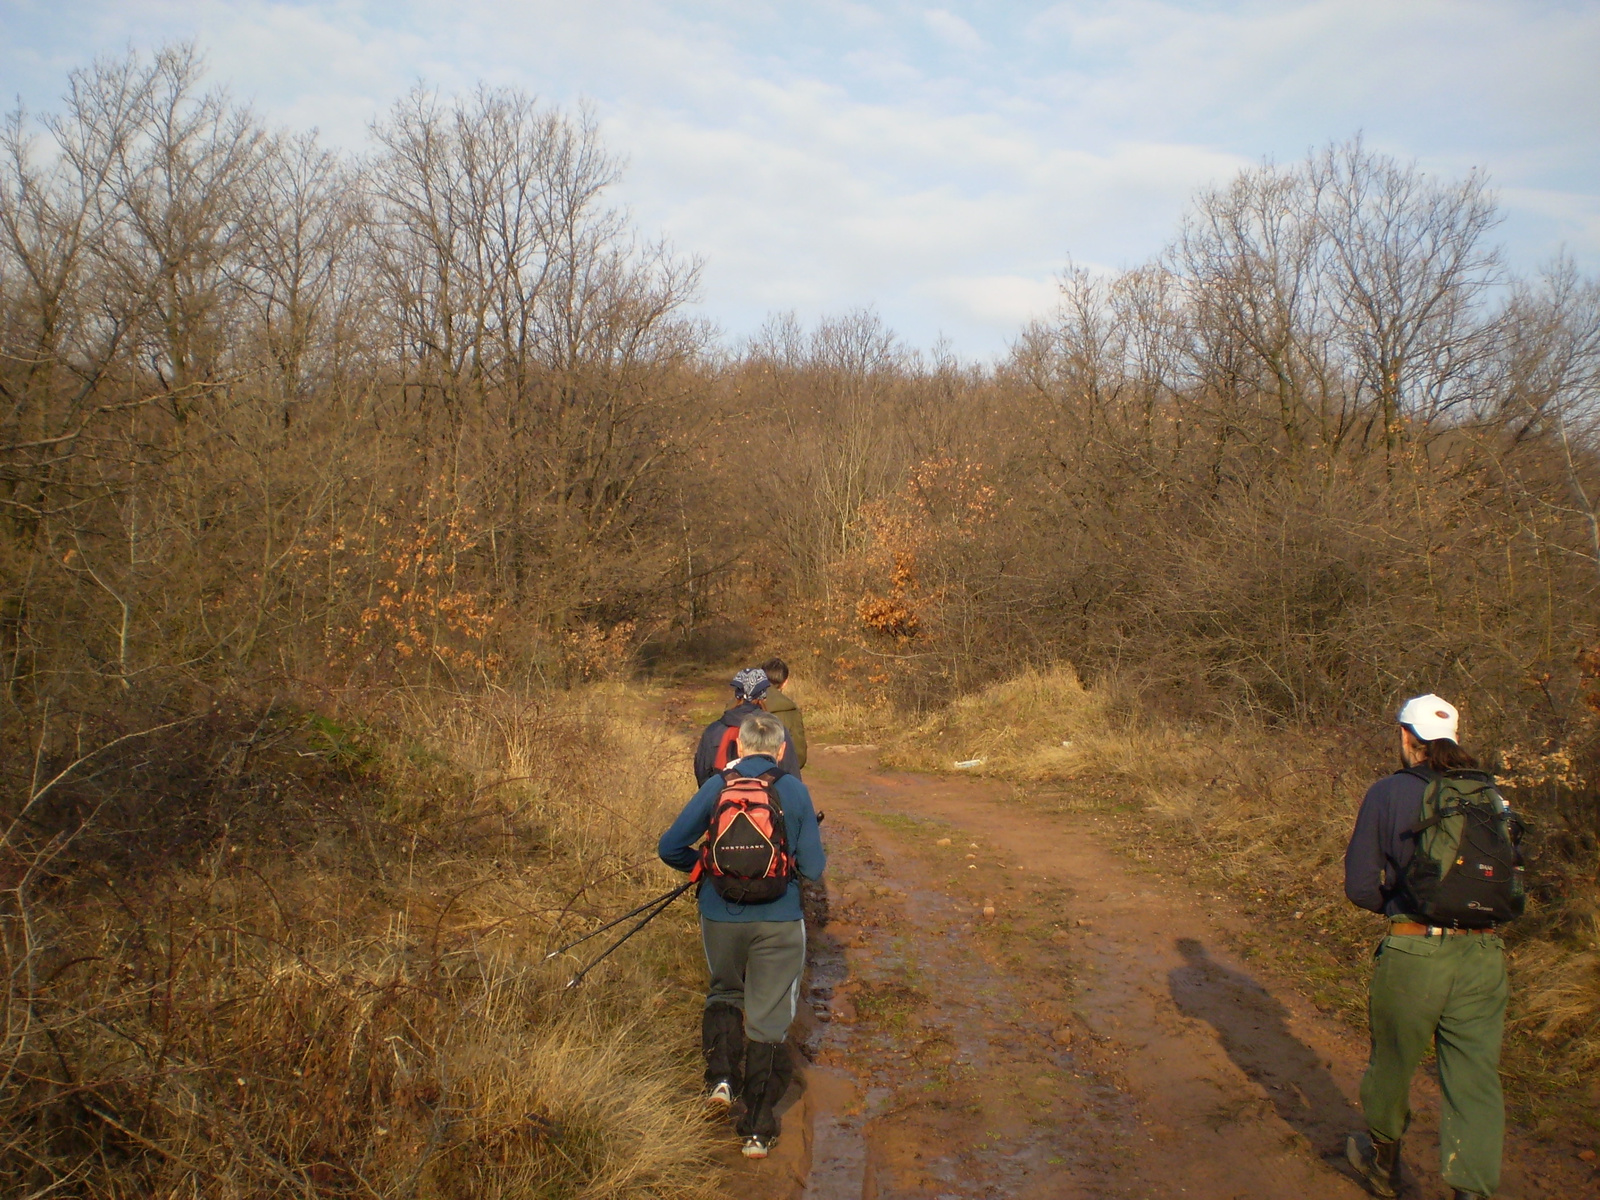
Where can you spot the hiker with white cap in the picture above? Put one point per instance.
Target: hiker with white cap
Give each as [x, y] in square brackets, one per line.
[1435, 851]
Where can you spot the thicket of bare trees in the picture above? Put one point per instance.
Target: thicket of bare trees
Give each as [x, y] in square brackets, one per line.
[266, 408]
[442, 413]
[280, 426]
[1321, 451]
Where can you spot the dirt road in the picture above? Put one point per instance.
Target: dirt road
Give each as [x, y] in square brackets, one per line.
[1002, 1006]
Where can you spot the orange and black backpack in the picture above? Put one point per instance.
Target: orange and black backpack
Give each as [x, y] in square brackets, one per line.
[746, 856]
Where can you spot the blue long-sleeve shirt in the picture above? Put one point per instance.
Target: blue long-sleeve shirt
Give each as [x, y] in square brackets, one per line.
[1381, 845]
[678, 844]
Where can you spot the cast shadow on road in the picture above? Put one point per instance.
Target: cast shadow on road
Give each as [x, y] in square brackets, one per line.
[1253, 1029]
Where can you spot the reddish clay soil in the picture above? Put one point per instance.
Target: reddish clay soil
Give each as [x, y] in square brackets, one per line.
[1093, 1037]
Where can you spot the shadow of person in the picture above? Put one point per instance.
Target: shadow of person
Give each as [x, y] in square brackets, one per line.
[1253, 1029]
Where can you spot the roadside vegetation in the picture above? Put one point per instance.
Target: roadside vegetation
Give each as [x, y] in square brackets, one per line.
[269, 951]
[338, 492]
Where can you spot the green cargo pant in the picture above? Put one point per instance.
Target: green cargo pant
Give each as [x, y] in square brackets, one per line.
[1449, 991]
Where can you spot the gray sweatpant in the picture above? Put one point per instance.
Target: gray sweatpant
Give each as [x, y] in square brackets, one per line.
[756, 966]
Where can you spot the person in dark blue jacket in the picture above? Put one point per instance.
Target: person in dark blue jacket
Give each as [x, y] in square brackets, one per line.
[755, 952]
[1431, 987]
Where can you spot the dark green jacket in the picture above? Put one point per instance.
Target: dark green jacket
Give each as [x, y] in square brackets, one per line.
[787, 711]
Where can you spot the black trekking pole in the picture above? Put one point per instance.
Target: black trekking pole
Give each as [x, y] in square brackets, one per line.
[665, 903]
[632, 912]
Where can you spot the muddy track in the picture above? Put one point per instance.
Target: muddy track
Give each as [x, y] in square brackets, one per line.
[1000, 1006]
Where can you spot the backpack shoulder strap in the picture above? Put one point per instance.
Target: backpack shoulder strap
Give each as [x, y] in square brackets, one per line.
[770, 780]
[1430, 788]
[726, 743]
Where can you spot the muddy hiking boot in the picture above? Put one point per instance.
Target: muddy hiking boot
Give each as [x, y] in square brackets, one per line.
[722, 1040]
[1376, 1161]
[767, 1072]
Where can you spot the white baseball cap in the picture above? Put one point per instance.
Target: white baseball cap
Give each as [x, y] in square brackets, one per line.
[1430, 717]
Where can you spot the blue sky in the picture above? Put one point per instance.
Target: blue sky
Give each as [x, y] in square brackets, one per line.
[941, 163]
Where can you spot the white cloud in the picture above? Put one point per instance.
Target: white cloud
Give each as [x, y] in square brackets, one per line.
[1568, 221]
[1006, 301]
[953, 31]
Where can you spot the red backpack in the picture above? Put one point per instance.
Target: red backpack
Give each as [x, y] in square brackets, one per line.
[727, 748]
[746, 855]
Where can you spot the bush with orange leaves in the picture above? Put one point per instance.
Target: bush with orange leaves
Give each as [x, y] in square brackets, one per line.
[889, 615]
[900, 608]
[398, 595]
[592, 652]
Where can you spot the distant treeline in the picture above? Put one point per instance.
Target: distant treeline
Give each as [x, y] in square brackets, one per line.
[440, 414]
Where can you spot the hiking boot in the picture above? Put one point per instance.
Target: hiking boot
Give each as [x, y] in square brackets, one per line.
[767, 1071]
[757, 1147]
[721, 1094]
[722, 1041]
[1376, 1161]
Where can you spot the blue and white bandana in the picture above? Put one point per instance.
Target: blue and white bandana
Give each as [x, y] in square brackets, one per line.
[751, 683]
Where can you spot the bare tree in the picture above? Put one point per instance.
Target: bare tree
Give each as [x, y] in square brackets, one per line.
[1408, 272]
[542, 352]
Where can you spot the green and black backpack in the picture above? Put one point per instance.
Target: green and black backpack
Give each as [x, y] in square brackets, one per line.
[1467, 869]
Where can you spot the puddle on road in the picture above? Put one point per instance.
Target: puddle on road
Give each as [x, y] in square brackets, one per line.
[838, 1166]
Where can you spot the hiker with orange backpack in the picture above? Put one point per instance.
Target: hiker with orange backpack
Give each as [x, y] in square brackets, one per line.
[747, 837]
[717, 743]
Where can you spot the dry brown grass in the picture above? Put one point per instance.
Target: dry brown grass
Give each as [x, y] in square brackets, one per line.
[363, 1008]
[1266, 814]
[836, 714]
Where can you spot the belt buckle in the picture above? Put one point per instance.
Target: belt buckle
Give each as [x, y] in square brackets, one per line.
[1436, 931]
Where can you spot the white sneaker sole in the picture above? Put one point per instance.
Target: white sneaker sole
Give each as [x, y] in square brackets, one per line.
[754, 1151]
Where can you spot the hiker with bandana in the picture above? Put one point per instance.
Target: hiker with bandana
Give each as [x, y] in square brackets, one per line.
[717, 744]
